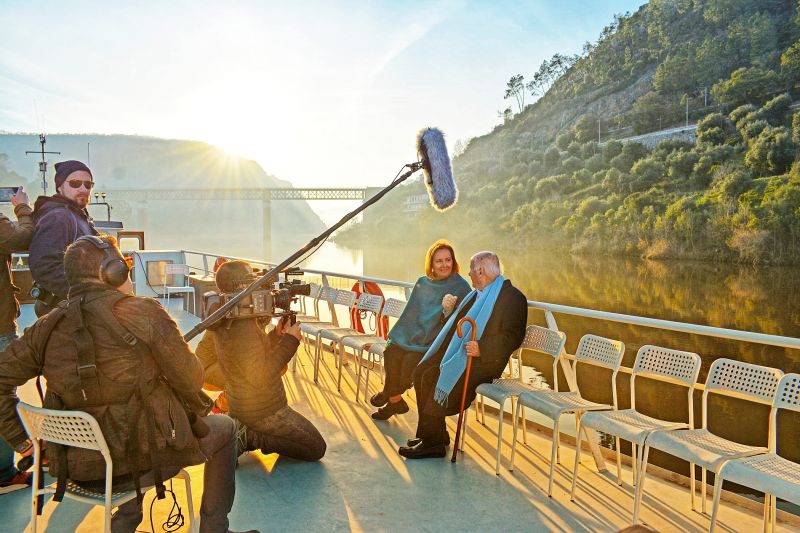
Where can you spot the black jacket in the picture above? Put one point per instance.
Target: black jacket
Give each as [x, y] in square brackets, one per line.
[169, 371]
[503, 334]
[240, 357]
[59, 222]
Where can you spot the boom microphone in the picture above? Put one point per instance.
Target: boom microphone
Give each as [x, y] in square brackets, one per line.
[436, 167]
[434, 160]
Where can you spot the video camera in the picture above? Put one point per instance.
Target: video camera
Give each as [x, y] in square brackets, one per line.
[273, 301]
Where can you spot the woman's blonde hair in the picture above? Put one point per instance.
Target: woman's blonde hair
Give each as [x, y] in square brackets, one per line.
[435, 247]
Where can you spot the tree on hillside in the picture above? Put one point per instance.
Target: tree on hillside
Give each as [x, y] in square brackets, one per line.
[506, 115]
[796, 128]
[771, 153]
[585, 129]
[515, 88]
[746, 85]
[541, 80]
[790, 64]
[652, 112]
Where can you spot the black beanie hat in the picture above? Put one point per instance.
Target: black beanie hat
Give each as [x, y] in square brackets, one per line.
[65, 168]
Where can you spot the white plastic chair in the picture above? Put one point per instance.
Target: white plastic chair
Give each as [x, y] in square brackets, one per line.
[392, 308]
[171, 269]
[652, 362]
[340, 297]
[79, 430]
[701, 447]
[371, 303]
[769, 473]
[592, 350]
[538, 339]
[328, 295]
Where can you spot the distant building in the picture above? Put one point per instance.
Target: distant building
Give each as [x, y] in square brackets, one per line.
[414, 203]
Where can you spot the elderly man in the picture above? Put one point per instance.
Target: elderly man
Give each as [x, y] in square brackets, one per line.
[500, 312]
[60, 219]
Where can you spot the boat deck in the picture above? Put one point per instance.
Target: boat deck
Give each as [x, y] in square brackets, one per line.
[362, 484]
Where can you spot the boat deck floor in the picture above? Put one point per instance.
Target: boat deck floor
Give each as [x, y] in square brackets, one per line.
[362, 484]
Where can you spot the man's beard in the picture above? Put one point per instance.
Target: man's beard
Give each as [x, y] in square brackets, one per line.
[82, 200]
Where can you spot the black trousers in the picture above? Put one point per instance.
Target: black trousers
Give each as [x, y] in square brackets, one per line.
[286, 432]
[432, 427]
[399, 365]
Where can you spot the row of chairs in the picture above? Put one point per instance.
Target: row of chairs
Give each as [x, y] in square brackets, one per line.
[320, 330]
[760, 468]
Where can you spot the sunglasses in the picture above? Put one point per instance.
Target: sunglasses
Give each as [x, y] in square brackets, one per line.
[75, 184]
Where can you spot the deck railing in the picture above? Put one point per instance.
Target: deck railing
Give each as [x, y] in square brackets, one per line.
[550, 309]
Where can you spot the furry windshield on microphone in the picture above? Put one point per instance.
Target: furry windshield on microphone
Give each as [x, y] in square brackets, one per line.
[436, 166]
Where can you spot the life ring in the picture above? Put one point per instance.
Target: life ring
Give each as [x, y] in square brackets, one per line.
[370, 287]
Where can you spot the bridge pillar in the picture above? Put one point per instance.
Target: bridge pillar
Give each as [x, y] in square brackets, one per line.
[266, 224]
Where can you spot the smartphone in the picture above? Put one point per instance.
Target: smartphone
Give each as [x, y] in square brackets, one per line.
[6, 193]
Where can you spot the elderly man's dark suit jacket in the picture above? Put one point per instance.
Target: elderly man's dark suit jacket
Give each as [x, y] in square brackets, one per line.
[503, 334]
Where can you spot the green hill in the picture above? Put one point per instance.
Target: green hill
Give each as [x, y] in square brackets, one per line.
[542, 180]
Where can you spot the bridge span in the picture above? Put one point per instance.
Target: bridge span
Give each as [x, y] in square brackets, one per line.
[134, 204]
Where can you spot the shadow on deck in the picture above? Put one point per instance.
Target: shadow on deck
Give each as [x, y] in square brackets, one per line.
[362, 484]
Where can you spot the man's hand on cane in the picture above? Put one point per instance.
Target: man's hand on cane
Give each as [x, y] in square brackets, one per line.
[473, 349]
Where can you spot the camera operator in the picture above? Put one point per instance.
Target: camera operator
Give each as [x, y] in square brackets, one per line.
[122, 359]
[241, 358]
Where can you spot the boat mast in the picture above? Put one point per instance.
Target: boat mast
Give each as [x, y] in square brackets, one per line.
[43, 162]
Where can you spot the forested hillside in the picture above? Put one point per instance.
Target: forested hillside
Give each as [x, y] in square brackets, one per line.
[541, 179]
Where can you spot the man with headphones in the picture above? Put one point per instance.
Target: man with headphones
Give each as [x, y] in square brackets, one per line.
[122, 359]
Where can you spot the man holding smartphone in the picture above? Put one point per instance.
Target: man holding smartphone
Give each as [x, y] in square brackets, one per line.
[14, 237]
[60, 219]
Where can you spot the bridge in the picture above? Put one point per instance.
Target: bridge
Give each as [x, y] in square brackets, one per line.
[143, 195]
[148, 209]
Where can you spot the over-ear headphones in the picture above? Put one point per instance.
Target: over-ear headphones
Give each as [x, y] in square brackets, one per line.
[114, 270]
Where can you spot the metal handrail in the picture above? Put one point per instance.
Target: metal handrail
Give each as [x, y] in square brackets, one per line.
[549, 309]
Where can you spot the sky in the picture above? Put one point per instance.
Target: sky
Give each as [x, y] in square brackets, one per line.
[320, 93]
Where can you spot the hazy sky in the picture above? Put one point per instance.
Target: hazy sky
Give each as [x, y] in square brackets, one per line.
[319, 93]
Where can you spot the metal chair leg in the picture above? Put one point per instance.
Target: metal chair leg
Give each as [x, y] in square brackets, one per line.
[500, 421]
[577, 463]
[703, 504]
[524, 427]
[183, 474]
[514, 435]
[714, 504]
[639, 494]
[341, 364]
[619, 463]
[553, 456]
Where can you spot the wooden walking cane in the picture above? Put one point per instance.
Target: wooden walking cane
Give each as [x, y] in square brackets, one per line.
[473, 333]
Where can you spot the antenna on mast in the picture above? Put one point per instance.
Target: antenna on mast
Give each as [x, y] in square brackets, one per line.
[43, 162]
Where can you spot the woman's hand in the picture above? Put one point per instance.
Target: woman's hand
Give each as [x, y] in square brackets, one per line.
[449, 303]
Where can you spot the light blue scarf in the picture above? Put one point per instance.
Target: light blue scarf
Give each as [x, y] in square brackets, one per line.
[455, 357]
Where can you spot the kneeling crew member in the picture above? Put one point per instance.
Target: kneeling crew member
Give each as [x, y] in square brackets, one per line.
[241, 358]
[122, 359]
